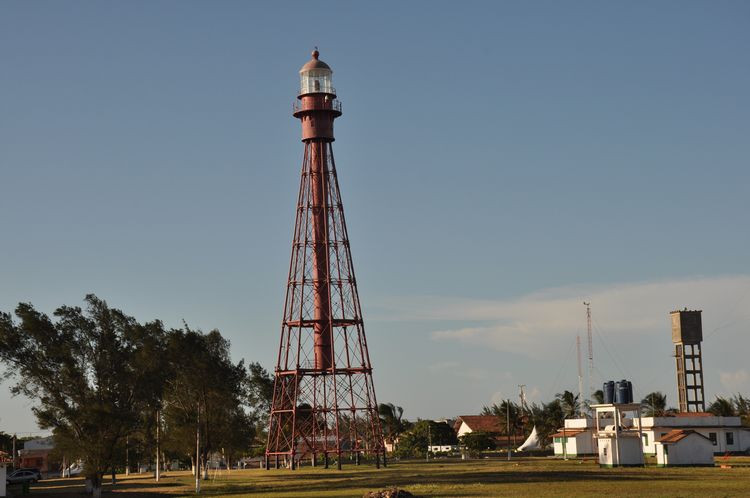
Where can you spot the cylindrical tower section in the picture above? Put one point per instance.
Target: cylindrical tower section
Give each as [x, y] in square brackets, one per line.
[316, 107]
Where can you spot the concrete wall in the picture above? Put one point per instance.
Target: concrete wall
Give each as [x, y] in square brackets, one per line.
[3, 476]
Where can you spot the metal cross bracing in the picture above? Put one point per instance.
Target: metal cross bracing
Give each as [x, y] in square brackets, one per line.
[324, 401]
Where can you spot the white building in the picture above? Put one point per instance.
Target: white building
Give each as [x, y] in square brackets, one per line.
[684, 447]
[443, 448]
[725, 433]
[620, 442]
[575, 438]
[466, 424]
[580, 437]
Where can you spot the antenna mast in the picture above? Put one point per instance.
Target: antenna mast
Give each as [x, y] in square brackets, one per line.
[591, 346]
[580, 374]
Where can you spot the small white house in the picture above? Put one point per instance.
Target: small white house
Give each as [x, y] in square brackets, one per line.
[684, 447]
[574, 442]
[576, 438]
[466, 424]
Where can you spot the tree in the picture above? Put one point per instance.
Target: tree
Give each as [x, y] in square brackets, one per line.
[391, 417]
[598, 397]
[476, 442]
[259, 398]
[655, 405]
[569, 404]
[90, 371]
[414, 442]
[722, 407]
[742, 408]
[205, 391]
[547, 418]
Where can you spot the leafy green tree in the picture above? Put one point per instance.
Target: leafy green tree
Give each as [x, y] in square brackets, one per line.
[206, 390]
[259, 398]
[415, 441]
[90, 371]
[476, 442]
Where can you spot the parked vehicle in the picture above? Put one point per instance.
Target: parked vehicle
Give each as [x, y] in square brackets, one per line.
[35, 471]
[73, 470]
[21, 476]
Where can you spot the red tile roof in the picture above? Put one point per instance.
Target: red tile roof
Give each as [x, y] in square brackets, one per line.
[678, 435]
[481, 423]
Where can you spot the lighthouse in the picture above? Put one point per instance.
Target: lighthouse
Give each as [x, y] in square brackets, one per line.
[324, 405]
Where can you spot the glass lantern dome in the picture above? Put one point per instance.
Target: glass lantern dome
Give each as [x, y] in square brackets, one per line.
[315, 77]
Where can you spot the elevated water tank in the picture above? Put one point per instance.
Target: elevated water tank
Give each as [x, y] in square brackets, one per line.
[609, 392]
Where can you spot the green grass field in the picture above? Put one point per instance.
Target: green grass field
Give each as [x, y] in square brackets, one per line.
[530, 477]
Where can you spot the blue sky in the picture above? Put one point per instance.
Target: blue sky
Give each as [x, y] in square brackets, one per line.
[499, 163]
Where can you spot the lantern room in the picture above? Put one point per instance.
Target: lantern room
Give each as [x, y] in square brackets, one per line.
[315, 77]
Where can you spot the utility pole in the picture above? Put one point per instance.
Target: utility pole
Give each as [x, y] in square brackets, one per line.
[198, 454]
[522, 396]
[429, 439]
[591, 347]
[127, 456]
[15, 465]
[158, 448]
[580, 375]
[507, 421]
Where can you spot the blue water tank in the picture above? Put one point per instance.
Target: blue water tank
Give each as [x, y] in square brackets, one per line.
[621, 391]
[609, 392]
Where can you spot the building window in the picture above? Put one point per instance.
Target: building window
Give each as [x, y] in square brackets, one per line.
[730, 438]
[605, 451]
[712, 437]
[645, 440]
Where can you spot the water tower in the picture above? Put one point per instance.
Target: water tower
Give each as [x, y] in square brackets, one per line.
[687, 334]
[324, 401]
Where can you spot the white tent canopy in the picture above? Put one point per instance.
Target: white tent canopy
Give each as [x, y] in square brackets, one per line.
[531, 443]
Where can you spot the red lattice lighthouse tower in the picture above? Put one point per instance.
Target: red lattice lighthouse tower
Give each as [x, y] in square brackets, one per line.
[324, 400]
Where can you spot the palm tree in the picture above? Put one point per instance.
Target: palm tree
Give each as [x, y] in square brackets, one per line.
[655, 404]
[598, 397]
[722, 407]
[506, 411]
[391, 417]
[569, 403]
[742, 408]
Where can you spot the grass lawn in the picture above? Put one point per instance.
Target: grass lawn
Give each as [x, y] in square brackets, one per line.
[530, 477]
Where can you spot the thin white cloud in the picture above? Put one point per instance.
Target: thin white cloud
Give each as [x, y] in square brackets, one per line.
[457, 369]
[735, 382]
[537, 324]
